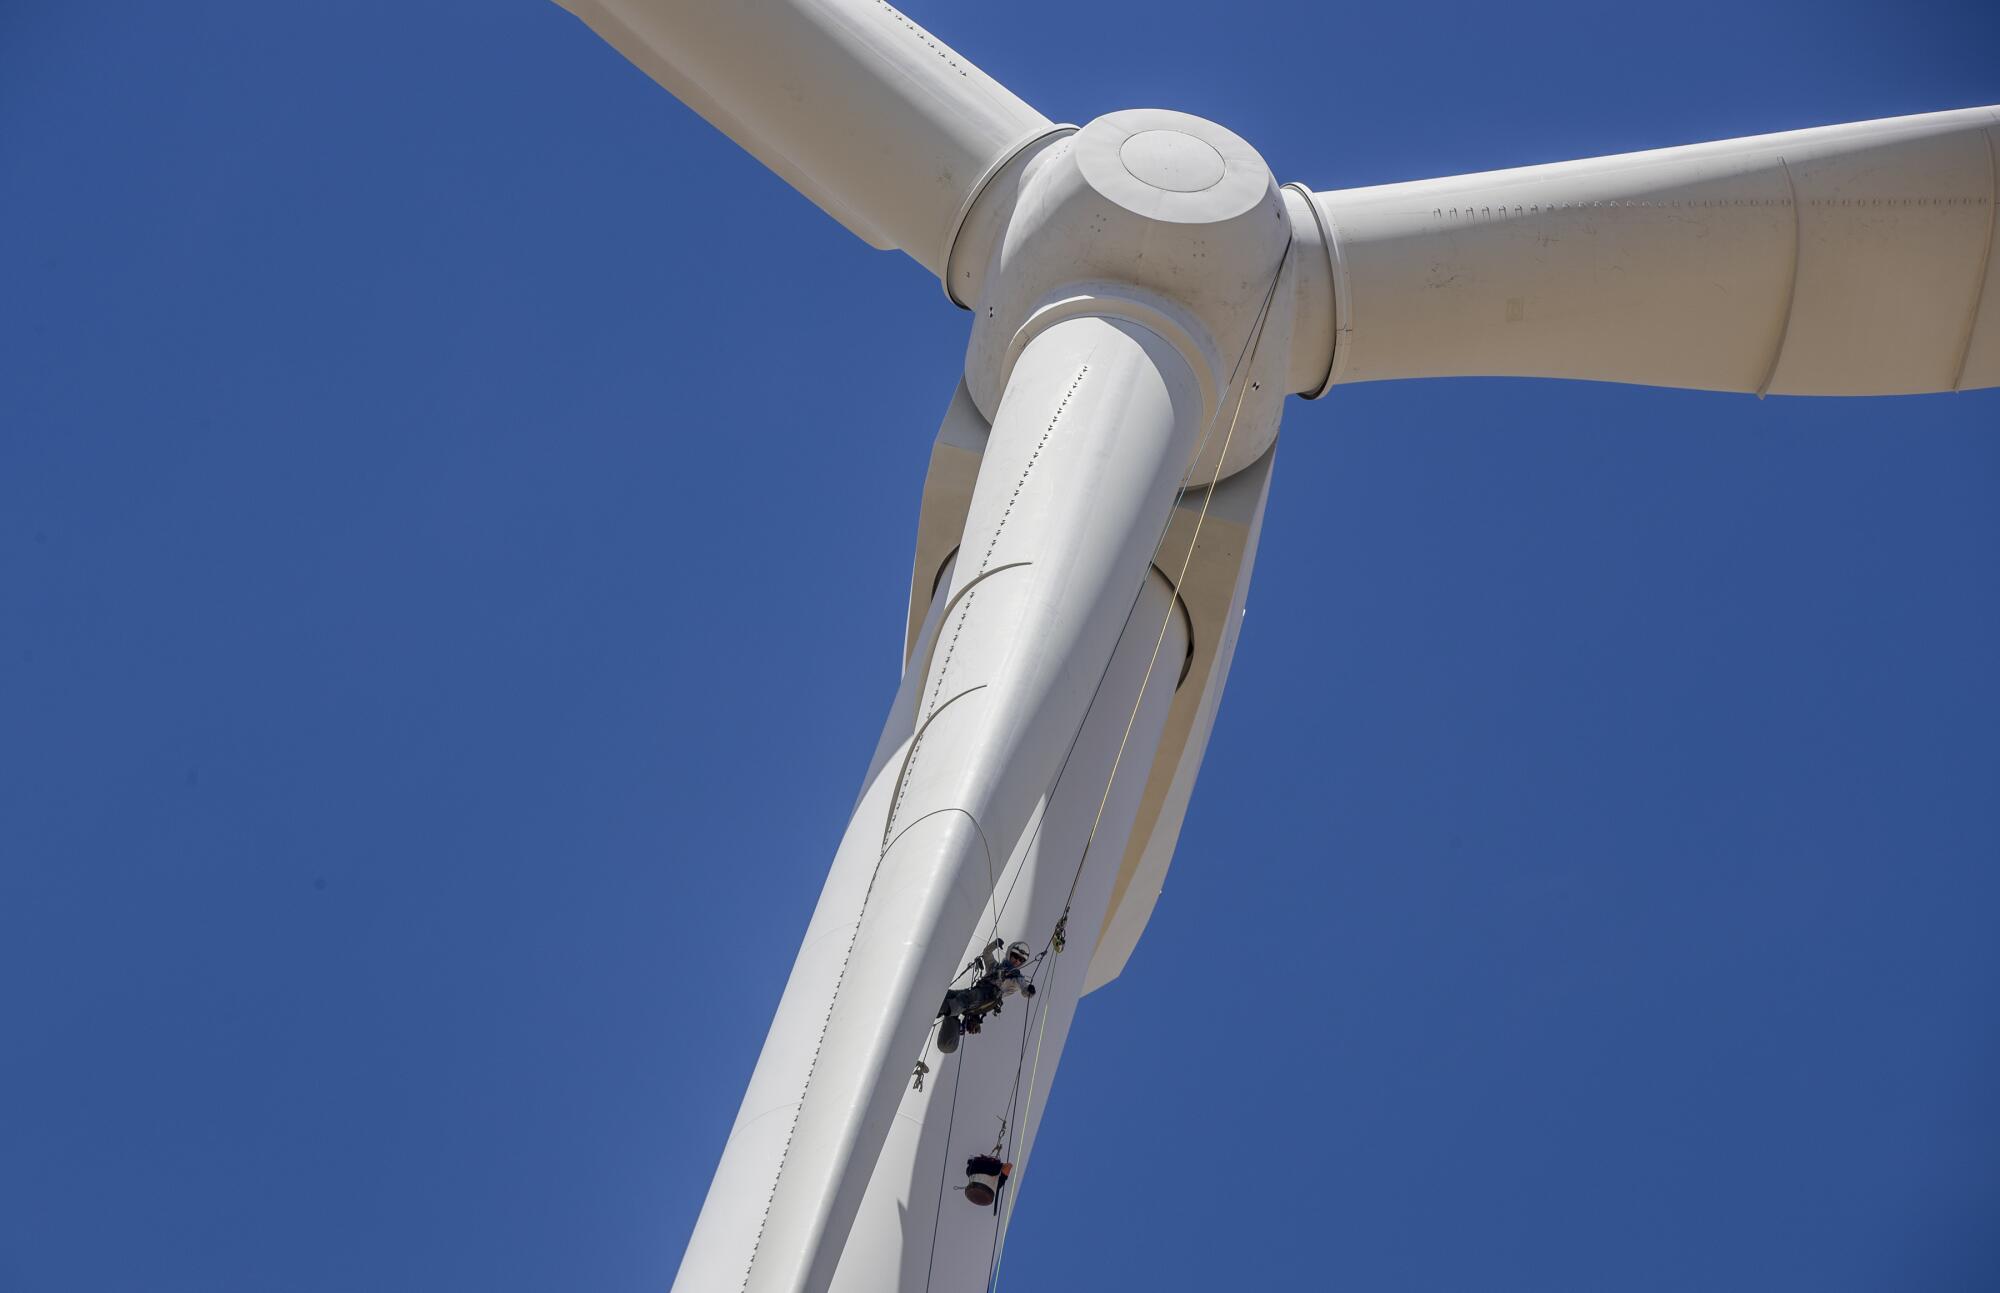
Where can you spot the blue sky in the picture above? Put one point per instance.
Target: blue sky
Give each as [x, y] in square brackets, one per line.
[443, 485]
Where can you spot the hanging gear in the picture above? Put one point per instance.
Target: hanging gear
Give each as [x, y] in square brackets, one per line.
[986, 1173]
[985, 1176]
[917, 1077]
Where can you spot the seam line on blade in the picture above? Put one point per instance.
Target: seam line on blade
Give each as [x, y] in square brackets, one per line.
[1791, 291]
[909, 763]
[941, 812]
[1343, 301]
[1245, 366]
[1985, 261]
[1333, 275]
[833, 996]
[1041, 811]
[1001, 163]
[944, 670]
[959, 596]
[1159, 542]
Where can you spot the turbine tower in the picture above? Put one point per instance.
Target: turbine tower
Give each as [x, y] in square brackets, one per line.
[1144, 294]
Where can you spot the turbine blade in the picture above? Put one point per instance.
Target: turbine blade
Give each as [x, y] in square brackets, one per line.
[1847, 260]
[1099, 420]
[854, 105]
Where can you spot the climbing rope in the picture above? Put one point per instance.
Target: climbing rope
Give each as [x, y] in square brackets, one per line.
[1013, 1108]
[951, 1120]
[1240, 370]
[1058, 936]
[1020, 1104]
[1180, 577]
[1057, 933]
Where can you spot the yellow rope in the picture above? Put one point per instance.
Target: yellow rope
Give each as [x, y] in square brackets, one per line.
[1247, 367]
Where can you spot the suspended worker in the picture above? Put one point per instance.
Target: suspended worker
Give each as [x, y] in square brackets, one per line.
[1000, 977]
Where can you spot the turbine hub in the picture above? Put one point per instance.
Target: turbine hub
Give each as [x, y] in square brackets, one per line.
[1157, 217]
[1172, 168]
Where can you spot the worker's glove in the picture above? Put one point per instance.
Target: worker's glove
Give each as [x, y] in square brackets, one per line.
[1027, 989]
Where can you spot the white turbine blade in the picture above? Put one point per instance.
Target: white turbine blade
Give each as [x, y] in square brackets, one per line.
[912, 1230]
[1847, 260]
[887, 129]
[1094, 432]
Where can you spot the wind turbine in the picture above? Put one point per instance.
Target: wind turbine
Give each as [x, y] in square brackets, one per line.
[1144, 294]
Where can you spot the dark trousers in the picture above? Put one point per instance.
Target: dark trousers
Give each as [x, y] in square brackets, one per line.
[965, 1001]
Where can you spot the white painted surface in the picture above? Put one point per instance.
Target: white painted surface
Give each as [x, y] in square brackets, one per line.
[882, 125]
[1209, 546]
[1091, 232]
[1007, 1070]
[1214, 591]
[1847, 260]
[1074, 490]
[726, 1232]
[1118, 274]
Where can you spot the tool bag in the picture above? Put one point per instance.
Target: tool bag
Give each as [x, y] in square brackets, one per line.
[984, 1175]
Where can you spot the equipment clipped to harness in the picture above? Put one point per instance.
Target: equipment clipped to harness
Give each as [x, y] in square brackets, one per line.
[985, 1176]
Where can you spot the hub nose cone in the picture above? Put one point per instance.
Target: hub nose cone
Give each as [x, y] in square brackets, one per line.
[1170, 167]
[1172, 160]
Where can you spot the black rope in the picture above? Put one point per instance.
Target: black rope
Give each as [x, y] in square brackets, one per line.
[1013, 1108]
[1057, 935]
[1250, 344]
[951, 1120]
[1057, 932]
[1249, 351]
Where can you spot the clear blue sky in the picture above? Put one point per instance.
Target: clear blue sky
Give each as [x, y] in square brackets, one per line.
[443, 484]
